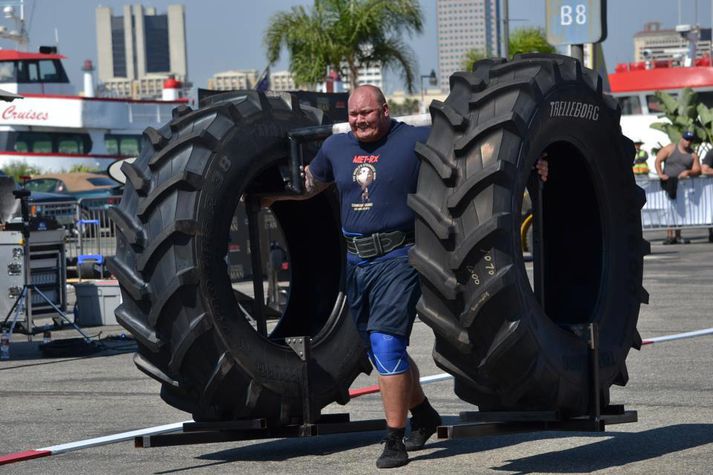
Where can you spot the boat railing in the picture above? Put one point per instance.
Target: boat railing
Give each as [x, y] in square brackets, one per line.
[149, 112]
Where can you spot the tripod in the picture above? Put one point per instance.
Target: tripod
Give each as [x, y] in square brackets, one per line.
[20, 303]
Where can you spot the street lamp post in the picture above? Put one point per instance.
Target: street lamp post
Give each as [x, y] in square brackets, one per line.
[19, 34]
[432, 80]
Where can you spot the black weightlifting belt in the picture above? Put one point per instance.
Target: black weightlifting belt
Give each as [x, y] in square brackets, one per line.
[378, 244]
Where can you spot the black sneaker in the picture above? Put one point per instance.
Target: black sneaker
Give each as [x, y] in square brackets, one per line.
[394, 454]
[421, 431]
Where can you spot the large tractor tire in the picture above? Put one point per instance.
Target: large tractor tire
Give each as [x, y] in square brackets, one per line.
[174, 221]
[506, 349]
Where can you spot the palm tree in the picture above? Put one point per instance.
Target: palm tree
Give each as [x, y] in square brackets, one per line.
[345, 32]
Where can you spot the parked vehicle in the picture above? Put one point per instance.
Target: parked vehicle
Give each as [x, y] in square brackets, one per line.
[60, 206]
[76, 184]
[54, 129]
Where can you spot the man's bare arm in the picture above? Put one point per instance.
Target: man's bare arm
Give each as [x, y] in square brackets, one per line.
[313, 187]
[695, 168]
[661, 157]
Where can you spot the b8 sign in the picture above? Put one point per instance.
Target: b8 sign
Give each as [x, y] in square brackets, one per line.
[577, 15]
[573, 22]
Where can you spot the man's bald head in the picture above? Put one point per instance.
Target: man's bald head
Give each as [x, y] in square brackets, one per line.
[369, 116]
[369, 89]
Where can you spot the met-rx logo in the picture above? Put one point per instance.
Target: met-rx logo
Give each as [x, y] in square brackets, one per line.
[574, 109]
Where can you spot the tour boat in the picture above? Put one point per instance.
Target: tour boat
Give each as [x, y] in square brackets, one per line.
[634, 86]
[52, 128]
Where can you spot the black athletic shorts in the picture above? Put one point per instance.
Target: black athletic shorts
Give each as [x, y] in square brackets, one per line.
[382, 296]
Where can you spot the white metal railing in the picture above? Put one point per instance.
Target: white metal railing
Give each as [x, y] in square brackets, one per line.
[692, 208]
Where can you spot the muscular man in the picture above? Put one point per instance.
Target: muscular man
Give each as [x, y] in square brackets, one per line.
[375, 168]
[680, 162]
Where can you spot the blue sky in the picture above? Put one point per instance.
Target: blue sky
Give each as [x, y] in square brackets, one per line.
[227, 34]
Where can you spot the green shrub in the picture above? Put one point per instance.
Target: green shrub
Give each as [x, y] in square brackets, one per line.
[16, 169]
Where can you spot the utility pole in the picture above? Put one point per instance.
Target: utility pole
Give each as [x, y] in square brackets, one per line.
[505, 42]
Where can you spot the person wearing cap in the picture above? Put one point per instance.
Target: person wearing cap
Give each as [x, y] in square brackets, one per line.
[640, 158]
[681, 162]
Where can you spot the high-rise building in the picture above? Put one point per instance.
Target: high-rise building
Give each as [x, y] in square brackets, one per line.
[140, 47]
[464, 25]
[368, 74]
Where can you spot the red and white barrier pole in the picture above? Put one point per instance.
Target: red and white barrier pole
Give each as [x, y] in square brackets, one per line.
[375, 388]
[85, 444]
[678, 336]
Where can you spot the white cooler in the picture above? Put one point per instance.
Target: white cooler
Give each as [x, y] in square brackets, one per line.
[97, 300]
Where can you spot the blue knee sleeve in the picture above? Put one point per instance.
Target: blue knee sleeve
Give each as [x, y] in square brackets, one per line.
[388, 353]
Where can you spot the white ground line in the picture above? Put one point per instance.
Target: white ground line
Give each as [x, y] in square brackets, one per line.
[110, 439]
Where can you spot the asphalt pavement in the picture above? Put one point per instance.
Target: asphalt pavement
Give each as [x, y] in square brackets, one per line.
[48, 401]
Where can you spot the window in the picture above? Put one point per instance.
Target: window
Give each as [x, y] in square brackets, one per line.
[45, 70]
[118, 48]
[124, 145]
[44, 185]
[654, 104]
[48, 71]
[7, 71]
[157, 44]
[112, 145]
[48, 142]
[37, 142]
[706, 97]
[68, 145]
[629, 105]
[101, 181]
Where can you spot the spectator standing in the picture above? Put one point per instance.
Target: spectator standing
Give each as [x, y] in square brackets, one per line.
[640, 158]
[674, 162]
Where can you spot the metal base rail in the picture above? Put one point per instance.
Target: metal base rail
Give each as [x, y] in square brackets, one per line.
[480, 424]
[312, 422]
[255, 429]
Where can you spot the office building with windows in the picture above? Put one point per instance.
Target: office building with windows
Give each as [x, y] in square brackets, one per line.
[654, 43]
[234, 80]
[140, 48]
[283, 80]
[464, 25]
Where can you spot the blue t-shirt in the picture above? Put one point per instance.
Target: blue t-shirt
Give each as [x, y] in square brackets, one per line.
[373, 179]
